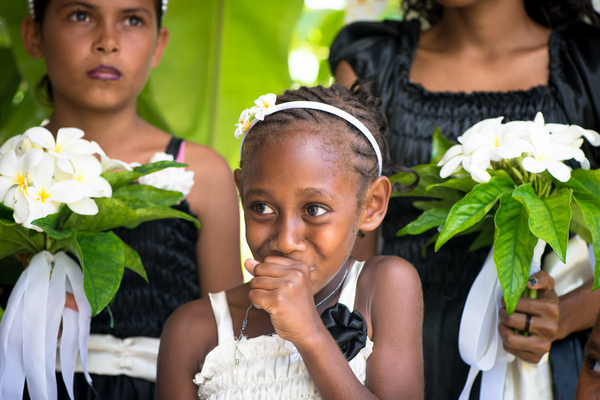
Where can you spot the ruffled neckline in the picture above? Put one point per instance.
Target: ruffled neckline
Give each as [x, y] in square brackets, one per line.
[412, 34]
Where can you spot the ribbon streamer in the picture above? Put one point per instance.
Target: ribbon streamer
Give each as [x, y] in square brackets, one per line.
[30, 327]
[479, 342]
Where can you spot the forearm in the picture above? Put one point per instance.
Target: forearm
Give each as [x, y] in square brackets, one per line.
[578, 310]
[329, 369]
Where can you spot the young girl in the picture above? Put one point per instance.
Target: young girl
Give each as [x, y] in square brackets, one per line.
[310, 180]
[98, 55]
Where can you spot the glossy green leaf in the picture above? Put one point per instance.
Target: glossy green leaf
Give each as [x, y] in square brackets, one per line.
[53, 223]
[549, 218]
[6, 215]
[103, 265]
[464, 184]
[473, 207]
[16, 239]
[439, 146]
[134, 262]
[149, 194]
[122, 178]
[513, 249]
[427, 220]
[485, 237]
[429, 177]
[590, 209]
[578, 225]
[130, 212]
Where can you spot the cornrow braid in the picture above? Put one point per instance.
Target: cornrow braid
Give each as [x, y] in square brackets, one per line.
[359, 101]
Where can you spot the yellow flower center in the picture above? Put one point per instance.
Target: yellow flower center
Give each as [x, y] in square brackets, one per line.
[43, 196]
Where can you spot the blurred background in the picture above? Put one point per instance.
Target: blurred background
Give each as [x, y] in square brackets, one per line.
[221, 56]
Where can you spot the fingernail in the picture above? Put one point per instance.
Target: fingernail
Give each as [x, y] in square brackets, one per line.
[533, 281]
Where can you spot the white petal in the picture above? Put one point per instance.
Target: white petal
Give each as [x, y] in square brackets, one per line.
[66, 191]
[479, 174]
[559, 170]
[11, 144]
[41, 137]
[539, 118]
[451, 166]
[532, 165]
[450, 153]
[85, 206]
[65, 135]
[9, 164]
[65, 165]
[30, 159]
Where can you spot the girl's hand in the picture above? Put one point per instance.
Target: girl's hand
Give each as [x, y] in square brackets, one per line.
[282, 287]
[543, 327]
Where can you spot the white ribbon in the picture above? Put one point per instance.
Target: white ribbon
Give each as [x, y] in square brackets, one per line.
[30, 325]
[479, 342]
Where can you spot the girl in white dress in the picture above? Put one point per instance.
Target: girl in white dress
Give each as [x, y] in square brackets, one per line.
[313, 322]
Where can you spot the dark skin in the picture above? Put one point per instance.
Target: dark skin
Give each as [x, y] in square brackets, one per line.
[83, 43]
[588, 385]
[301, 226]
[494, 46]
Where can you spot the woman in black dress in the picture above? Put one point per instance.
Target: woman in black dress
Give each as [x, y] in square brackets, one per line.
[480, 59]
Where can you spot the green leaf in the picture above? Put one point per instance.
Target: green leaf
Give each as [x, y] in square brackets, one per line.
[149, 194]
[548, 218]
[425, 205]
[16, 239]
[103, 265]
[53, 223]
[589, 204]
[122, 178]
[464, 184]
[427, 220]
[6, 215]
[10, 270]
[439, 146]
[589, 179]
[130, 212]
[134, 262]
[513, 249]
[429, 177]
[578, 225]
[473, 207]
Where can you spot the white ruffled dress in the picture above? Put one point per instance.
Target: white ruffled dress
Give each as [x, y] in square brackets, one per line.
[265, 367]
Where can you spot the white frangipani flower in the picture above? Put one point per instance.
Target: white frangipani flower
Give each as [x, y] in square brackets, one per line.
[14, 174]
[243, 124]
[110, 164]
[549, 152]
[265, 105]
[68, 143]
[45, 194]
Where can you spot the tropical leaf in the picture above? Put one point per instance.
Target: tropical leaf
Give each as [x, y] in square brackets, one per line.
[485, 238]
[103, 265]
[513, 249]
[548, 218]
[150, 194]
[473, 207]
[134, 262]
[427, 220]
[578, 225]
[464, 184]
[122, 178]
[129, 212]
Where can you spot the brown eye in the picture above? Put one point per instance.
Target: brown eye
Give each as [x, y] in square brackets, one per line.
[262, 208]
[314, 210]
[134, 20]
[79, 16]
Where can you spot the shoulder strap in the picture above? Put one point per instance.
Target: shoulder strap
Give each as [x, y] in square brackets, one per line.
[173, 146]
[218, 302]
[349, 289]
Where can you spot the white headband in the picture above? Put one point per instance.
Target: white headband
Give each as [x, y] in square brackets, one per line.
[32, 8]
[265, 105]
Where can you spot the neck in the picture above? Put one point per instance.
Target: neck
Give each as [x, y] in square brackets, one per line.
[331, 291]
[490, 26]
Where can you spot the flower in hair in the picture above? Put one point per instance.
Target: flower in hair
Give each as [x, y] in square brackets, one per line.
[243, 124]
[265, 105]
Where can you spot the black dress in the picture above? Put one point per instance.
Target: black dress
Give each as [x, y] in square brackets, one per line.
[384, 51]
[167, 248]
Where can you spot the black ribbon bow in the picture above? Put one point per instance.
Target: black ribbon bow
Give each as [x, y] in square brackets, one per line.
[349, 330]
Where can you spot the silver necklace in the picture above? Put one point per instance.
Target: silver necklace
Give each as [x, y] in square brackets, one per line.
[245, 321]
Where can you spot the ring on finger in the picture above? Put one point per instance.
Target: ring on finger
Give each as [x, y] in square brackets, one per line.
[527, 323]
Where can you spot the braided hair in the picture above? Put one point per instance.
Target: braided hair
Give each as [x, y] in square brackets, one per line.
[549, 13]
[338, 134]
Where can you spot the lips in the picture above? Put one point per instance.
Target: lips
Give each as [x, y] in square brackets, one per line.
[105, 72]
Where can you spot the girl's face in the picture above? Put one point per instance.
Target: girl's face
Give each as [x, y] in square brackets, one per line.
[98, 53]
[300, 202]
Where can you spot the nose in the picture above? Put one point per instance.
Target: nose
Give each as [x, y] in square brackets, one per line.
[108, 38]
[288, 236]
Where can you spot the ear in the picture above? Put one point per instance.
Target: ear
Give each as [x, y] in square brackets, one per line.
[32, 37]
[376, 203]
[161, 43]
[237, 176]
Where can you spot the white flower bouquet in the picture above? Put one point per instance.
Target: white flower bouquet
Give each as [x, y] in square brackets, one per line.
[60, 198]
[509, 182]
